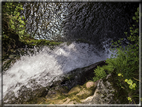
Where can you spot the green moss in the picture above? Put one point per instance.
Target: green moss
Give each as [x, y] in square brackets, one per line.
[31, 42]
[61, 97]
[42, 42]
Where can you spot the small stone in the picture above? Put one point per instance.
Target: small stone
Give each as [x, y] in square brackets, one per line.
[90, 84]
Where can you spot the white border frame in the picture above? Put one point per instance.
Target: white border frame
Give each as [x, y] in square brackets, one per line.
[85, 105]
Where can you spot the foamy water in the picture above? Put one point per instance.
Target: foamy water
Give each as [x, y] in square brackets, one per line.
[45, 65]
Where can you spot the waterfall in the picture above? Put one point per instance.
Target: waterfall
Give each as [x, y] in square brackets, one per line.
[45, 65]
[96, 23]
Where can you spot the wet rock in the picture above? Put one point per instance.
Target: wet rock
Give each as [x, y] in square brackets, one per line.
[13, 48]
[55, 92]
[79, 76]
[11, 96]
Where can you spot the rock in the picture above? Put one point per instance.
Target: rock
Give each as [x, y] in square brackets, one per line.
[104, 93]
[67, 100]
[72, 102]
[90, 84]
[87, 100]
[12, 56]
[79, 75]
[74, 90]
[84, 93]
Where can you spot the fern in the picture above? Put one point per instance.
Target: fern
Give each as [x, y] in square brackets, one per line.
[100, 73]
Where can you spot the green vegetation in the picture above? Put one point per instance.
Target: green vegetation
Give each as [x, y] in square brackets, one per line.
[13, 26]
[124, 66]
[12, 20]
[30, 42]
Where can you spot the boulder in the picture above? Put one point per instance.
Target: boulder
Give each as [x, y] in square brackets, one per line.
[104, 93]
[84, 93]
[91, 84]
[74, 90]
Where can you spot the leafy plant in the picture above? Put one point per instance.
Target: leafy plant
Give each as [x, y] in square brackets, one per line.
[100, 73]
[131, 84]
[125, 64]
[12, 19]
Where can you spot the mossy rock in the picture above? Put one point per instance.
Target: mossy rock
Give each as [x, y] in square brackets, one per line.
[74, 90]
[35, 42]
[84, 93]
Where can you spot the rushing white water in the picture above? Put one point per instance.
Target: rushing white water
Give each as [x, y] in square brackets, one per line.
[46, 64]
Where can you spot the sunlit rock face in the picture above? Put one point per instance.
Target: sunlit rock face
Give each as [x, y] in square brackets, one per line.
[104, 93]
